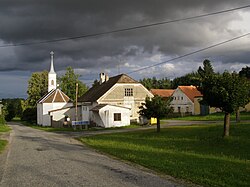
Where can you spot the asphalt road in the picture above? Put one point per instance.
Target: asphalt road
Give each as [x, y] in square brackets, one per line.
[38, 158]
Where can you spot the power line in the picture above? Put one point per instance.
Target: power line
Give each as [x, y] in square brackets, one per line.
[123, 29]
[191, 53]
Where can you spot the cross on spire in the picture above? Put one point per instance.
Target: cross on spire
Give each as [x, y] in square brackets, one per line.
[52, 62]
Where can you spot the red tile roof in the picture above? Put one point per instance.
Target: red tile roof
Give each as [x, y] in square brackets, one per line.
[162, 92]
[190, 91]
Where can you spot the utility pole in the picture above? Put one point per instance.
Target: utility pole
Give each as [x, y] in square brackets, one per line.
[76, 101]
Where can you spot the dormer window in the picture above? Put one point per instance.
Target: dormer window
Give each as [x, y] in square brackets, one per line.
[129, 92]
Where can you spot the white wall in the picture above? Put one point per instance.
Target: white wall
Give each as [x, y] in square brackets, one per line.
[182, 101]
[46, 107]
[39, 114]
[107, 116]
[85, 113]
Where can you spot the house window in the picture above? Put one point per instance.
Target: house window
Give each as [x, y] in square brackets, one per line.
[52, 82]
[179, 109]
[117, 116]
[128, 91]
[187, 109]
[181, 98]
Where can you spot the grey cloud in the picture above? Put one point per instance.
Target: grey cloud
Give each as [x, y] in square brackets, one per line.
[26, 21]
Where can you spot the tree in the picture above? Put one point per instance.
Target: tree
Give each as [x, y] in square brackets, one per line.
[245, 72]
[68, 84]
[156, 107]
[13, 108]
[155, 83]
[227, 92]
[30, 115]
[186, 80]
[95, 83]
[37, 87]
[207, 69]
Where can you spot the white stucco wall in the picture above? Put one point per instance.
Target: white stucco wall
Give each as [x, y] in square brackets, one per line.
[45, 120]
[105, 116]
[60, 114]
[182, 101]
[85, 113]
[39, 114]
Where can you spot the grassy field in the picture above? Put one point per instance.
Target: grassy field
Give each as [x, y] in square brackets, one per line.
[214, 117]
[195, 153]
[3, 143]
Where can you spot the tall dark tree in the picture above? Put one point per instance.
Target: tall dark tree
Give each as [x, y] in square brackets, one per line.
[37, 87]
[68, 84]
[186, 80]
[245, 72]
[207, 69]
[227, 92]
[156, 107]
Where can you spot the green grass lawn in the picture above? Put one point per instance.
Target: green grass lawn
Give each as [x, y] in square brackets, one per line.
[195, 153]
[214, 117]
[3, 143]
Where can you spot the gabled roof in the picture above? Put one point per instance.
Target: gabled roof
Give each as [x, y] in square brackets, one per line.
[190, 91]
[55, 96]
[162, 92]
[94, 93]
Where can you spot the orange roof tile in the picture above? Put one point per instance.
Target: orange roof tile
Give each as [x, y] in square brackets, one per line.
[191, 92]
[162, 92]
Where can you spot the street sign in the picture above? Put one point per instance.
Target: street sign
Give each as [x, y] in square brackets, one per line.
[80, 122]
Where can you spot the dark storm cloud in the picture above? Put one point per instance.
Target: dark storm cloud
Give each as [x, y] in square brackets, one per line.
[29, 21]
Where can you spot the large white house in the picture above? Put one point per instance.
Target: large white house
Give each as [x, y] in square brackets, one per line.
[55, 99]
[114, 102]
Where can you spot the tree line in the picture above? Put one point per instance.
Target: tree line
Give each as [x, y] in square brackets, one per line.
[194, 78]
[226, 91]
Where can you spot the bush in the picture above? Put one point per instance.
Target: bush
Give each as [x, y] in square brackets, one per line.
[30, 115]
[2, 120]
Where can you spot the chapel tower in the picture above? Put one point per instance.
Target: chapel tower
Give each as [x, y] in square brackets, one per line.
[52, 74]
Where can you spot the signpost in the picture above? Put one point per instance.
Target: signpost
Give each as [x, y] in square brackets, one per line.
[80, 123]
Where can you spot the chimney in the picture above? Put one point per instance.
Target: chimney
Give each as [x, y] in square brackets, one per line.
[102, 78]
[106, 78]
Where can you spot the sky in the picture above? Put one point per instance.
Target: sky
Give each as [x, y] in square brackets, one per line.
[28, 21]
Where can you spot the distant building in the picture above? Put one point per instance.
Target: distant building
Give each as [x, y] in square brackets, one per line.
[186, 100]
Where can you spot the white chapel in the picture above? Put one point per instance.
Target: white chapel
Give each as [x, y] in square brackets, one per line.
[55, 99]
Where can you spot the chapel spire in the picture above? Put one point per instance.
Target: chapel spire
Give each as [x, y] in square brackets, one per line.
[52, 74]
[52, 62]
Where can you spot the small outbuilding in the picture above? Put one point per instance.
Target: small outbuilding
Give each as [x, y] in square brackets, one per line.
[106, 115]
